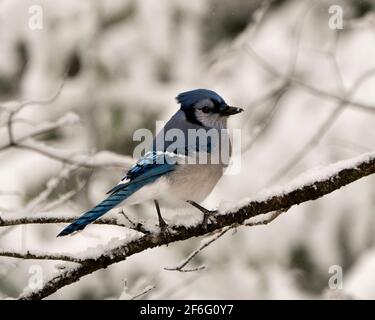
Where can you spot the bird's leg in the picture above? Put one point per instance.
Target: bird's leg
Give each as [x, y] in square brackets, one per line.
[207, 214]
[162, 224]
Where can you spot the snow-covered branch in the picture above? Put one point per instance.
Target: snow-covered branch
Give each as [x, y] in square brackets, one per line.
[7, 220]
[38, 256]
[97, 160]
[27, 141]
[309, 186]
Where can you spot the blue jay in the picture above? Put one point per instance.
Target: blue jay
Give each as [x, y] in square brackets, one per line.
[163, 175]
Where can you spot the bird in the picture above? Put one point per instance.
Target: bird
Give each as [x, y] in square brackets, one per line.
[169, 173]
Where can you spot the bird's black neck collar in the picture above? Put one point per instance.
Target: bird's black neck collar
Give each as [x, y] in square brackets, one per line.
[190, 116]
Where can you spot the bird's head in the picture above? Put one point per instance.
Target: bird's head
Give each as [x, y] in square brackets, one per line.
[206, 108]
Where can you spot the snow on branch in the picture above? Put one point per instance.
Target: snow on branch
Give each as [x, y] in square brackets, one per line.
[39, 256]
[97, 160]
[7, 220]
[27, 141]
[309, 186]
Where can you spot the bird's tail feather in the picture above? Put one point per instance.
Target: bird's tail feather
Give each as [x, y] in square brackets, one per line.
[103, 207]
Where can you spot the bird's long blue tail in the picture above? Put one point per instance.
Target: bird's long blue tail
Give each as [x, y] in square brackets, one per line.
[120, 193]
[145, 171]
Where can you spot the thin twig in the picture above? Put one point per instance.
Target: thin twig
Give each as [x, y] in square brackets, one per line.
[264, 124]
[272, 70]
[182, 265]
[320, 132]
[137, 226]
[39, 256]
[143, 292]
[24, 104]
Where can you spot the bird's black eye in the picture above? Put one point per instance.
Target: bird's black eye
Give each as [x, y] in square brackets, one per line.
[205, 109]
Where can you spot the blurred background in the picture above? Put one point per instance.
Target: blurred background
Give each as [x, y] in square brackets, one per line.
[123, 63]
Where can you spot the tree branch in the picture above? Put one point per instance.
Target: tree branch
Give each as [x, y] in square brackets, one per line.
[6, 222]
[205, 244]
[97, 160]
[39, 256]
[310, 186]
[314, 90]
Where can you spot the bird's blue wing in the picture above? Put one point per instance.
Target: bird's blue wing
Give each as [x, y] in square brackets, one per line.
[149, 168]
[152, 165]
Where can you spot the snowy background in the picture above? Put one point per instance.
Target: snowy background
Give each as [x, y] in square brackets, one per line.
[124, 62]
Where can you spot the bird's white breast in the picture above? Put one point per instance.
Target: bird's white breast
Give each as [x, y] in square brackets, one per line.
[187, 182]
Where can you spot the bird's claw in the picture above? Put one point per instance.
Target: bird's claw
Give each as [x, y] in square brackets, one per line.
[164, 228]
[208, 215]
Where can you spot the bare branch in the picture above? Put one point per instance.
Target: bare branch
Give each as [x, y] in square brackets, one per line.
[134, 225]
[143, 292]
[24, 104]
[272, 70]
[51, 185]
[68, 119]
[266, 121]
[322, 129]
[279, 92]
[204, 245]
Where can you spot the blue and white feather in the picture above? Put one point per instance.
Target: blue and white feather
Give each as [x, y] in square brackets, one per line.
[148, 169]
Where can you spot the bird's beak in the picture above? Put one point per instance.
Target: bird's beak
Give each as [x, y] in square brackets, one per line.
[229, 111]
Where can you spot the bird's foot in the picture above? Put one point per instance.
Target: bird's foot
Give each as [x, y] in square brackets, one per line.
[164, 228]
[208, 215]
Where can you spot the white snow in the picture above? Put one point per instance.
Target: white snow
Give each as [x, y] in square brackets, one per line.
[307, 178]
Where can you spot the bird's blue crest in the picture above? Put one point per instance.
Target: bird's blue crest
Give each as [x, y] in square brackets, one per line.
[190, 98]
